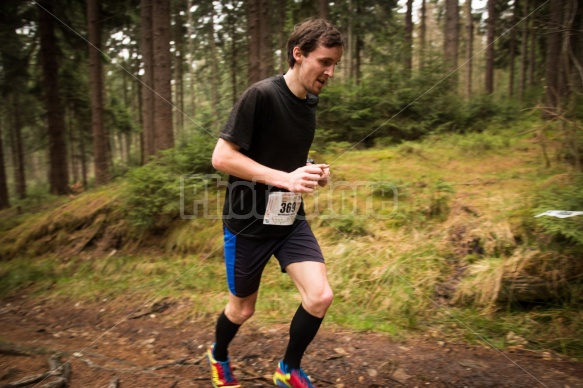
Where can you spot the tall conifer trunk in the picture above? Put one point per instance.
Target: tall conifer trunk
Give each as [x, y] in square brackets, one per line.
[147, 49]
[100, 137]
[58, 168]
[490, 31]
[4, 200]
[163, 129]
[469, 48]
[451, 35]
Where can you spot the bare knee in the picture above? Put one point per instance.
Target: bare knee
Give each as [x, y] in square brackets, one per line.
[318, 304]
[239, 313]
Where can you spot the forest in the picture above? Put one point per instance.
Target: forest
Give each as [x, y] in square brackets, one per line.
[96, 88]
[451, 127]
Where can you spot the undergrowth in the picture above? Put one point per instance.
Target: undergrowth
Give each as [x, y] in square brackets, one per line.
[437, 236]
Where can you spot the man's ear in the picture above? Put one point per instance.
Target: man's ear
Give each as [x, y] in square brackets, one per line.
[298, 56]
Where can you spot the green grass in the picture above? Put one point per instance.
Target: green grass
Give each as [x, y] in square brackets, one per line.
[462, 215]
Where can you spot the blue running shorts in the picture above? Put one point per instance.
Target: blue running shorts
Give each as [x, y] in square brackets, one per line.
[245, 258]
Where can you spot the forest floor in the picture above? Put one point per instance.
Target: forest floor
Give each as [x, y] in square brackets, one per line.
[107, 344]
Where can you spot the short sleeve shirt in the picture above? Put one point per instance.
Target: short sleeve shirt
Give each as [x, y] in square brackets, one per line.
[276, 129]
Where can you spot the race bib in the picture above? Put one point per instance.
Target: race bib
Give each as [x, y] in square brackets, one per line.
[282, 208]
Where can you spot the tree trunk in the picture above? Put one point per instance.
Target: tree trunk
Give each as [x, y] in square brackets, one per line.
[359, 45]
[511, 67]
[323, 10]
[14, 64]
[100, 137]
[18, 147]
[266, 62]
[58, 169]
[163, 130]
[253, 30]
[348, 52]
[408, 43]
[147, 85]
[451, 37]
[4, 199]
[524, 50]
[532, 53]
[179, 69]
[469, 48]
[490, 31]
[191, 81]
[214, 66]
[422, 34]
[553, 56]
[234, 52]
[577, 48]
[83, 160]
[260, 52]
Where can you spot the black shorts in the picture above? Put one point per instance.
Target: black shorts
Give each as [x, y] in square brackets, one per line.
[245, 258]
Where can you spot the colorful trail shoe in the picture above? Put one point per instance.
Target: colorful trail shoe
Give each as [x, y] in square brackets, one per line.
[294, 378]
[221, 373]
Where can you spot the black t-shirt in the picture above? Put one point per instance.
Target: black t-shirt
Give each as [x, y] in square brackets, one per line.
[275, 128]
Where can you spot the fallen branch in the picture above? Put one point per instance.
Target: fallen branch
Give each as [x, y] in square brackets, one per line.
[62, 371]
[27, 381]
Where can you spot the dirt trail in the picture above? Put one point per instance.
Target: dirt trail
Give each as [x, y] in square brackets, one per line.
[166, 349]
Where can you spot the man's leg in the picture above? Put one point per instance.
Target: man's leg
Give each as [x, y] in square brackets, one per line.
[237, 311]
[312, 282]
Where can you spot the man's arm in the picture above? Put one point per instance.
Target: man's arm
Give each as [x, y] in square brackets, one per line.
[228, 159]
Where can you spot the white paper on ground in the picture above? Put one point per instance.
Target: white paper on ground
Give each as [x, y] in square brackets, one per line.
[560, 213]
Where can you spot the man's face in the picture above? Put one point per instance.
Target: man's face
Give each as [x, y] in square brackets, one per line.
[317, 67]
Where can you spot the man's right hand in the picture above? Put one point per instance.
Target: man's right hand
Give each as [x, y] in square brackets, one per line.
[304, 179]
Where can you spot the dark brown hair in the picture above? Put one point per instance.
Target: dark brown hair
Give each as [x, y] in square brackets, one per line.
[309, 35]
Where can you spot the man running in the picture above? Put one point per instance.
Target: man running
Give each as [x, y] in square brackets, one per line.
[264, 147]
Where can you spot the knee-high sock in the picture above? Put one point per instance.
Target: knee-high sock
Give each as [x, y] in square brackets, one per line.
[304, 327]
[224, 333]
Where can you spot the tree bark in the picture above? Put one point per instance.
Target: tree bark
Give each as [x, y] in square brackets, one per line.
[191, 81]
[265, 36]
[254, 33]
[323, 9]
[577, 48]
[100, 136]
[524, 50]
[553, 56]
[147, 86]
[179, 69]
[422, 34]
[512, 49]
[58, 169]
[490, 32]
[532, 53]
[4, 198]
[260, 52]
[408, 43]
[451, 36]
[469, 48]
[18, 147]
[163, 129]
[358, 44]
[214, 66]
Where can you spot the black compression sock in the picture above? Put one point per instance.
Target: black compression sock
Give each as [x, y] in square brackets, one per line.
[224, 334]
[304, 327]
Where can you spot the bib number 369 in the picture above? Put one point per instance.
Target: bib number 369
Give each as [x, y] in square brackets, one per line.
[282, 208]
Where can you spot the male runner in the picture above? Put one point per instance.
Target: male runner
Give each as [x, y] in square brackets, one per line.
[264, 148]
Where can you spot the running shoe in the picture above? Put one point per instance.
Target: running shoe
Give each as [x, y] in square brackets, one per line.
[222, 375]
[294, 378]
